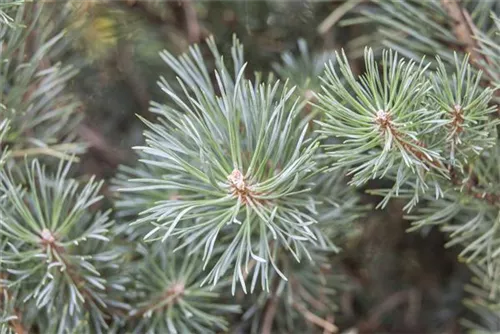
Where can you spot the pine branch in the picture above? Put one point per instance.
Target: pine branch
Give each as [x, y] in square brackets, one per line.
[465, 31]
[309, 297]
[401, 125]
[241, 185]
[11, 318]
[270, 312]
[314, 319]
[336, 15]
[167, 297]
[443, 27]
[484, 302]
[17, 325]
[462, 28]
[304, 69]
[468, 186]
[55, 247]
[33, 92]
[112, 155]
[191, 20]
[375, 134]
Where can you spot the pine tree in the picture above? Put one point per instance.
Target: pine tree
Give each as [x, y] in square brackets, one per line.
[248, 184]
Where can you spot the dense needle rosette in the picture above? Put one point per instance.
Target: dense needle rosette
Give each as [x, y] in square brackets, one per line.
[235, 161]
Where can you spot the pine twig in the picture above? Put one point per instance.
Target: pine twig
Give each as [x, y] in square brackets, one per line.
[471, 189]
[463, 28]
[270, 313]
[112, 155]
[411, 297]
[336, 15]
[165, 300]
[191, 20]
[187, 19]
[414, 305]
[411, 146]
[16, 324]
[55, 151]
[314, 319]
[330, 318]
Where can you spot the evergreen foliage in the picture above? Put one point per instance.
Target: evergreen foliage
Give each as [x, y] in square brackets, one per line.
[43, 115]
[168, 297]
[55, 247]
[247, 187]
[238, 166]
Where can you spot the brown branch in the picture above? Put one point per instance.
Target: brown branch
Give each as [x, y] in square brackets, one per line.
[386, 306]
[414, 305]
[317, 303]
[314, 319]
[330, 318]
[270, 311]
[336, 15]
[49, 240]
[72, 273]
[307, 297]
[17, 325]
[411, 146]
[187, 19]
[471, 189]
[457, 121]
[112, 155]
[463, 28]
[410, 297]
[170, 295]
[191, 21]
[456, 128]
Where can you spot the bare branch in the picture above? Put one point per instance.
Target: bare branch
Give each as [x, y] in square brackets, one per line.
[270, 313]
[464, 28]
[314, 319]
